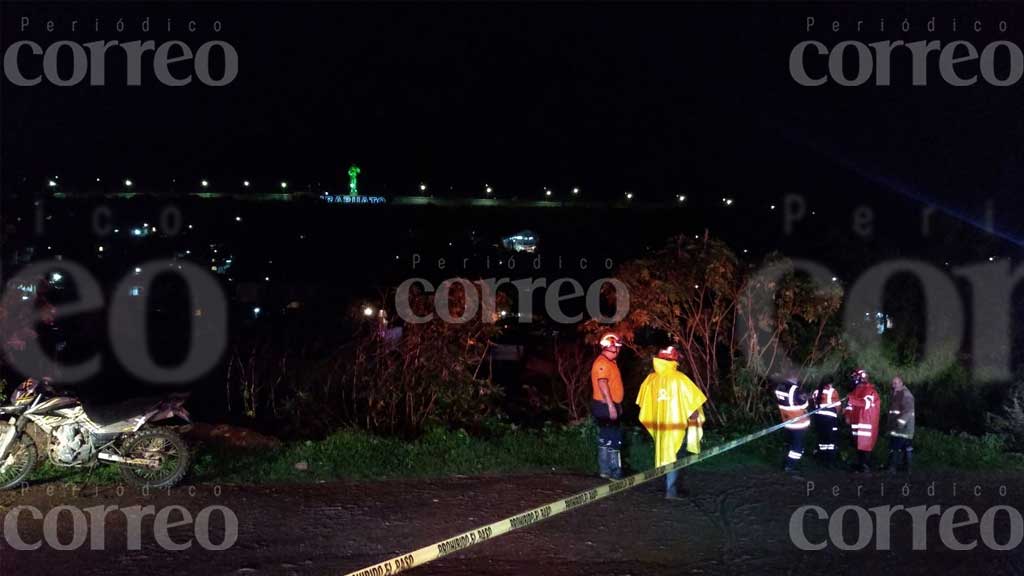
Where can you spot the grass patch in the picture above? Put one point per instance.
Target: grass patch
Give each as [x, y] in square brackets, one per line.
[506, 449]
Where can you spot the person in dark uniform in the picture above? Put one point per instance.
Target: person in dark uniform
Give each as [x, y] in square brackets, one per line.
[826, 421]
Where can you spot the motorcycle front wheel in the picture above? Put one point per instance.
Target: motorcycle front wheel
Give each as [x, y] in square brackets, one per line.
[19, 463]
[160, 444]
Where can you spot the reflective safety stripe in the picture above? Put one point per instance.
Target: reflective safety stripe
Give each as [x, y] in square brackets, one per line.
[861, 433]
[899, 434]
[798, 425]
[902, 421]
[894, 411]
[829, 414]
[794, 455]
[794, 408]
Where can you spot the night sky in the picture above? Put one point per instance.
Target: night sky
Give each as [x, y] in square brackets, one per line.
[657, 99]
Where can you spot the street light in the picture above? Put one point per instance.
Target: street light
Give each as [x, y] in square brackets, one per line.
[368, 311]
[53, 184]
[629, 195]
[128, 183]
[245, 183]
[575, 191]
[488, 189]
[284, 185]
[205, 184]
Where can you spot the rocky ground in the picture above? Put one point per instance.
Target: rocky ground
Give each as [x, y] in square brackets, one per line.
[735, 522]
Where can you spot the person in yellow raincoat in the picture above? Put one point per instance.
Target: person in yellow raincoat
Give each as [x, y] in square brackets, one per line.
[671, 408]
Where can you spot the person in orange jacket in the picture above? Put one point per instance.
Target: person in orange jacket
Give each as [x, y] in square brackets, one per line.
[863, 408]
[606, 406]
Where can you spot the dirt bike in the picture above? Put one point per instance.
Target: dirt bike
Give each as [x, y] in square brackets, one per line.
[77, 435]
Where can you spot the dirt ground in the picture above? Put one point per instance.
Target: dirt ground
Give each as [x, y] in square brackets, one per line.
[733, 523]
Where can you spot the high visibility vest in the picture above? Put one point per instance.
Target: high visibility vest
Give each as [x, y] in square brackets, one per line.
[827, 398]
[792, 403]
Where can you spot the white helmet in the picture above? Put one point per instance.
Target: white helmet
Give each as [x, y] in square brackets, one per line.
[611, 340]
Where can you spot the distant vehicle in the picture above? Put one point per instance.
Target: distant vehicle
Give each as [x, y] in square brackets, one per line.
[121, 434]
[525, 241]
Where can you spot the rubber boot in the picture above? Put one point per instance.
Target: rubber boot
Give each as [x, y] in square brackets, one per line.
[863, 465]
[614, 463]
[891, 461]
[674, 488]
[604, 469]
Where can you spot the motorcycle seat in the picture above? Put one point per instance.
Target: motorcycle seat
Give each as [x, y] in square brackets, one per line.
[105, 413]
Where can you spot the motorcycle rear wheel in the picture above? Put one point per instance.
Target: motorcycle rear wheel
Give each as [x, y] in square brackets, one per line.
[162, 444]
[19, 463]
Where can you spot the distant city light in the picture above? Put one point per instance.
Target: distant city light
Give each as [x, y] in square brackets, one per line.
[991, 259]
[284, 185]
[205, 183]
[97, 179]
[256, 311]
[238, 218]
[128, 183]
[423, 187]
[135, 291]
[547, 192]
[681, 198]
[575, 190]
[488, 189]
[136, 232]
[772, 207]
[52, 184]
[834, 279]
[153, 229]
[629, 195]
[56, 277]
[266, 278]
[368, 311]
[245, 183]
[117, 230]
[100, 249]
[189, 226]
[727, 201]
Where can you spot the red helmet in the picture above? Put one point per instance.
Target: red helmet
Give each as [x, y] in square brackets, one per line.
[669, 353]
[859, 376]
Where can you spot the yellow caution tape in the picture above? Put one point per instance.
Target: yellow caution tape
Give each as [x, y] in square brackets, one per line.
[501, 527]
